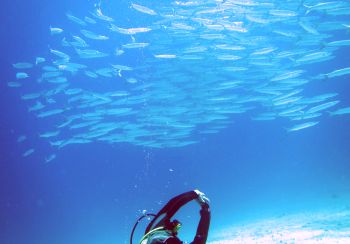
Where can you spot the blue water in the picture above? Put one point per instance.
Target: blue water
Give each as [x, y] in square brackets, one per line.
[94, 193]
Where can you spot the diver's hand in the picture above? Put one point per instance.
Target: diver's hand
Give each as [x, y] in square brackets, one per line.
[202, 199]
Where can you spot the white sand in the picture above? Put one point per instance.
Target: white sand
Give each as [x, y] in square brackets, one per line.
[321, 227]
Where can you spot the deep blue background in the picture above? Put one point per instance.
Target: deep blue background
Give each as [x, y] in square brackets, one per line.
[93, 193]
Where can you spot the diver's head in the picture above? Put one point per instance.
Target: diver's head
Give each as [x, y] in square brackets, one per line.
[173, 226]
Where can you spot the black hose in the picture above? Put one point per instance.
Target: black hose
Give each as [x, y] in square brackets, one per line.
[137, 222]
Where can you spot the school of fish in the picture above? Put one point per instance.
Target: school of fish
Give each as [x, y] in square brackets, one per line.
[189, 70]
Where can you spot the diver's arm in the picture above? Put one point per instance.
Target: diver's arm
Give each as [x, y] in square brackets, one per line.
[171, 208]
[203, 225]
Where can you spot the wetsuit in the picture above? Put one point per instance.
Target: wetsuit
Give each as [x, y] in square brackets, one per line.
[167, 236]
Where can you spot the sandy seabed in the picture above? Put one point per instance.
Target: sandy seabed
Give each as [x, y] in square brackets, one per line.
[318, 227]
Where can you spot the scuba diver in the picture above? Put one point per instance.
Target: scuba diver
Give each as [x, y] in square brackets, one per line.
[164, 230]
